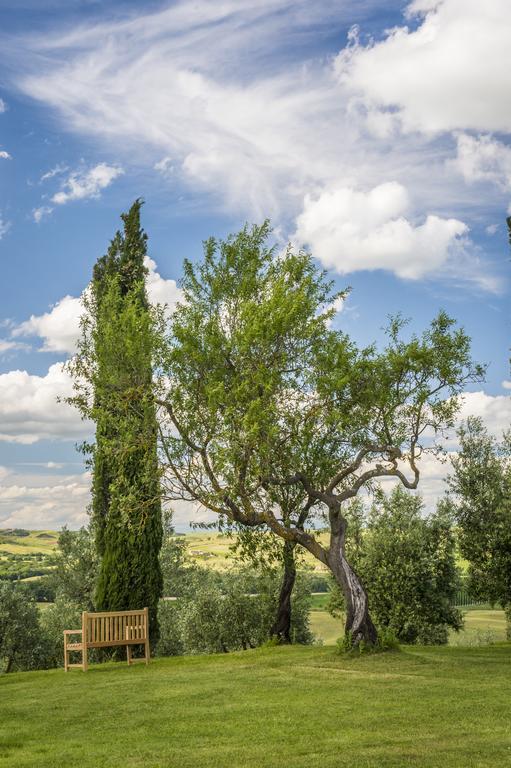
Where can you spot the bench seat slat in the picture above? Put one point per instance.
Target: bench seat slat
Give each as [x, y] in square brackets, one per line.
[108, 643]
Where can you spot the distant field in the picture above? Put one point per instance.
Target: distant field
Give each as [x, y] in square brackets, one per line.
[481, 627]
[214, 550]
[26, 554]
[33, 543]
[421, 707]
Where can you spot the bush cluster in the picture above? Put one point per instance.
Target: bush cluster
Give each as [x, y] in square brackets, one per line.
[407, 562]
[211, 613]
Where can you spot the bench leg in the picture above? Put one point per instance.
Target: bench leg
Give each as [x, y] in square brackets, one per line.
[85, 663]
[128, 654]
[147, 651]
[66, 657]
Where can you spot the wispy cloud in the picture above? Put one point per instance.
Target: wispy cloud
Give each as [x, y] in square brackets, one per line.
[259, 124]
[38, 214]
[3, 106]
[55, 171]
[84, 184]
[7, 345]
[4, 155]
[43, 499]
[4, 226]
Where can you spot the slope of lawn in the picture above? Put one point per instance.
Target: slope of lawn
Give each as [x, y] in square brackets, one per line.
[303, 707]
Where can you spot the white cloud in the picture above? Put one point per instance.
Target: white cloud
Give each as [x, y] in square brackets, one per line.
[164, 166]
[506, 384]
[3, 106]
[258, 122]
[4, 226]
[160, 290]
[55, 171]
[60, 327]
[453, 71]
[494, 410]
[84, 184]
[5, 155]
[6, 345]
[29, 410]
[44, 500]
[38, 214]
[227, 122]
[349, 230]
[483, 158]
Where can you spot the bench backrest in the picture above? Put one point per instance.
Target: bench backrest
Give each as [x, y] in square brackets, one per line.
[115, 627]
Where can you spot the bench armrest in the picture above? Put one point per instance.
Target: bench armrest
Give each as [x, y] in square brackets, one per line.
[72, 631]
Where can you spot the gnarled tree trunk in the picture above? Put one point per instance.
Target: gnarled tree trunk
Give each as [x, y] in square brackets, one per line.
[358, 625]
[282, 625]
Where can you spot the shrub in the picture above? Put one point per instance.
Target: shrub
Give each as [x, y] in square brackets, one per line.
[63, 614]
[407, 564]
[21, 642]
[169, 642]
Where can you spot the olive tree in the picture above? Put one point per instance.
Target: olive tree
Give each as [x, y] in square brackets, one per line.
[258, 393]
[480, 486]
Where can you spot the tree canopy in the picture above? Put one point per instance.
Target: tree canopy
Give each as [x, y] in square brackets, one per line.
[260, 393]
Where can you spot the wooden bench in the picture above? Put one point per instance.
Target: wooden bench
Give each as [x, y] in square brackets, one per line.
[109, 629]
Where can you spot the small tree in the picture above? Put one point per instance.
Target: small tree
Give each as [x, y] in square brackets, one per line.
[260, 393]
[20, 636]
[113, 383]
[76, 568]
[481, 500]
[408, 565]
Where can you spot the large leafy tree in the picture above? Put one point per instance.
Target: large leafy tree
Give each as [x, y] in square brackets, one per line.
[258, 393]
[481, 494]
[113, 381]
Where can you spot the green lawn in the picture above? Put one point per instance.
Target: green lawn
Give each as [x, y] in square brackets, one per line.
[481, 627]
[276, 707]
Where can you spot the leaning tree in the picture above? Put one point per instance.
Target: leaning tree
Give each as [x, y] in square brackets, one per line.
[112, 374]
[258, 393]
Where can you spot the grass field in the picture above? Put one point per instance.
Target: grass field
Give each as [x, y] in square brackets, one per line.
[269, 708]
[26, 554]
[213, 550]
[37, 542]
[481, 626]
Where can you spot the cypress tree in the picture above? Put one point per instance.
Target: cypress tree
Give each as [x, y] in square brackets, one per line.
[126, 503]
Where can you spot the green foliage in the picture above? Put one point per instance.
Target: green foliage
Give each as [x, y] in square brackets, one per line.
[113, 385]
[170, 641]
[264, 400]
[386, 641]
[481, 503]
[21, 645]
[75, 575]
[219, 613]
[42, 590]
[408, 566]
[62, 615]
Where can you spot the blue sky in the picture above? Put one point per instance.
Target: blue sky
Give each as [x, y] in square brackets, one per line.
[375, 133]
